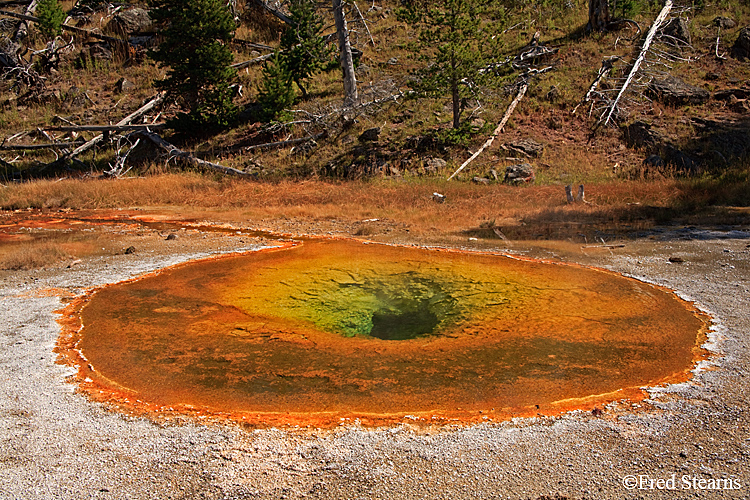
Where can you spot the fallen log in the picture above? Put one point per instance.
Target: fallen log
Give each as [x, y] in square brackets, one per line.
[31, 147]
[521, 91]
[283, 17]
[175, 152]
[252, 45]
[641, 56]
[23, 27]
[247, 64]
[281, 144]
[107, 128]
[607, 65]
[125, 121]
[72, 29]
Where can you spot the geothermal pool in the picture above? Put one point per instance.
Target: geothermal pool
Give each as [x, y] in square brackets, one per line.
[330, 329]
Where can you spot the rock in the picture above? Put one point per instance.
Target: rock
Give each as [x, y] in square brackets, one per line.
[677, 31]
[742, 107]
[725, 23]
[528, 147]
[654, 161]
[741, 48]
[712, 76]
[519, 174]
[433, 165]
[440, 198]
[477, 124]
[731, 95]
[676, 260]
[480, 180]
[93, 53]
[124, 85]
[171, 237]
[370, 135]
[680, 160]
[305, 148]
[675, 92]
[640, 135]
[553, 94]
[130, 22]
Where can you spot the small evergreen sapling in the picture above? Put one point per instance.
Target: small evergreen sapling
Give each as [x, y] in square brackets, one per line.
[275, 92]
[51, 17]
[303, 47]
[457, 40]
[195, 48]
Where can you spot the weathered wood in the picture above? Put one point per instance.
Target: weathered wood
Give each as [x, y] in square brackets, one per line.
[107, 128]
[346, 59]
[253, 45]
[604, 245]
[155, 101]
[607, 65]
[569, 193]
[646, 45]
[31, 147]
[246, 64]
[23, 27]
[521, 91]
[280, 15]
[175, 152]
[580, 195]
[281, 144]
[65, 27]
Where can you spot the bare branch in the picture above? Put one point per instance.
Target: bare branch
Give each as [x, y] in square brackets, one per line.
[646, 45]
[521, 91]
[175, 152]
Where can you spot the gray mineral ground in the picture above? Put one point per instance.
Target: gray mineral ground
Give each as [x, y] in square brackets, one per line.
[690, 440]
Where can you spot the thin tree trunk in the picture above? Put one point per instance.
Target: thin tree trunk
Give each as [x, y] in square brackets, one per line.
[456, 103]
[347, 62]
[23, 27]
[599, 17]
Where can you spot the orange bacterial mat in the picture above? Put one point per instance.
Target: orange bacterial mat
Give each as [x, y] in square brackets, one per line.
[332, 329]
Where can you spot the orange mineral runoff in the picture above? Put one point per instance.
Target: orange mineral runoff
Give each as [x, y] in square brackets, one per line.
[325, 330]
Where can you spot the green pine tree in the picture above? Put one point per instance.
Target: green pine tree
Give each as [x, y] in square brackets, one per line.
[456, 40]
[302, 44]
[195, 48]
[275, 92]
[51, 17]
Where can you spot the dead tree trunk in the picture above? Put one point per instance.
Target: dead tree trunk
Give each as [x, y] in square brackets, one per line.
[521, 92]
[125, 121]
[283, 17]
[598, 16]
[175, 152]
[347, 62]
[637, 64]
[23, 26]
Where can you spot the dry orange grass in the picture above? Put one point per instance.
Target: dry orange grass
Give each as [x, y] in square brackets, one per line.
[406, 201]
[31, 255]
